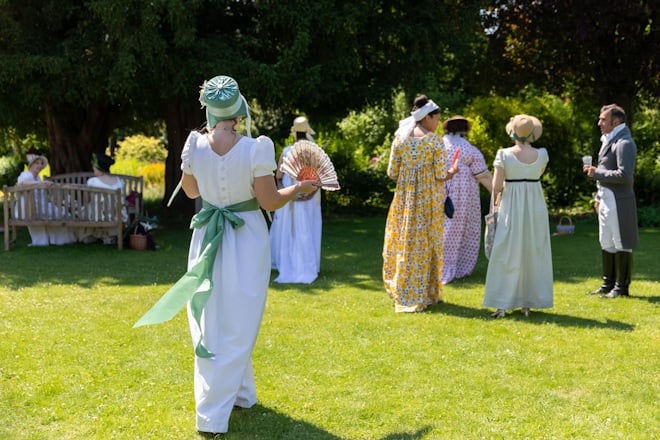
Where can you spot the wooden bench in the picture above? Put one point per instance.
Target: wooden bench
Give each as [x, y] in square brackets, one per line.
[133, 188]
[68, 205]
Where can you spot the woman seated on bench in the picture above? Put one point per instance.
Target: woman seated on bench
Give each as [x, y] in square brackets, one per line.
[43, 235]
[103, 179]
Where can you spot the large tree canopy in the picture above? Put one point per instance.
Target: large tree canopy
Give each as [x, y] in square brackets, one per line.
[79, 69]
[604, 51]
[76, 70]
[68, 74]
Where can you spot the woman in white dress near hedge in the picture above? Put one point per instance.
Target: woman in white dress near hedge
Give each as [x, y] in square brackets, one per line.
[295, 235]
[520, 266]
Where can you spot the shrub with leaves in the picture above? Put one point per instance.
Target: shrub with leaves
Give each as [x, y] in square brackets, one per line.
[648, 216]
[10, 168]
[646, 132]
[129, 166]
[153, 174]
[564, 181]
[13, 142]
[363, 132]
[143, 148]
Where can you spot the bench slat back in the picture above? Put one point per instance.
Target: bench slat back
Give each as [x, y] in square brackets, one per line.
[71, 205]
[132, 184]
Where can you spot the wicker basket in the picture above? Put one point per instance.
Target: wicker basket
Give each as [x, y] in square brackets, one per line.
[137, 241]
[565, 226]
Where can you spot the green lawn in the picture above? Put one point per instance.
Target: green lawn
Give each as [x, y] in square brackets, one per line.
[333, 361]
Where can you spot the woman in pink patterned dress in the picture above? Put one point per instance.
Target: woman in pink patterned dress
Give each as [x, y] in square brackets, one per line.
[462, 234]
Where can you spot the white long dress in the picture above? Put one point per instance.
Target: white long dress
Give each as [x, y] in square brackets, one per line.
[520, 266]
[46, 235]
[241, 273]
[89, 234]
[295, 238]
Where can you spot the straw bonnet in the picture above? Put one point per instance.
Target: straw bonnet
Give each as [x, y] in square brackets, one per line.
[457, 124]
[524, 128]
[223, 100]
[102, 162]
[301, 125]
[33, 156]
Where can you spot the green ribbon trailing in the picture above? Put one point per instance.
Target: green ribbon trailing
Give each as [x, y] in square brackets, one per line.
[196, 284]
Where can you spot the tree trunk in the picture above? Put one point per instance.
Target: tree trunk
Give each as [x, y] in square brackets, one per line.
[180, 119]
[74, 134]
[616, 91]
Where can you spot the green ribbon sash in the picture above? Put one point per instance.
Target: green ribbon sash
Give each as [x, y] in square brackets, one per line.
[196, 284]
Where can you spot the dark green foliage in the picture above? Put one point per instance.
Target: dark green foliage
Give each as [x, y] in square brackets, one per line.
[74, 72]
[607, 51]
[563, 180]
[568, 134]
[647, 188]
[14, 143]
[10, 168]
[648, 216]
[646, 131]
[363, 192]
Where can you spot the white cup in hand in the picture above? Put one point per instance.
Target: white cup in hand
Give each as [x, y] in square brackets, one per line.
[586, 160]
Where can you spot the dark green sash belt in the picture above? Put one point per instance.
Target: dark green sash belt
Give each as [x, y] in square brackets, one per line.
[196, 284]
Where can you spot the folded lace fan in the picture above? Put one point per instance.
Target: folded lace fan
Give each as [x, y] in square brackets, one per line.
[307, 161]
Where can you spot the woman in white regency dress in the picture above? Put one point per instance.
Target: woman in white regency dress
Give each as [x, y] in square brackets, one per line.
[520, 266]
[44, 235]
[229, 258]
[295, 235]
[101, 164]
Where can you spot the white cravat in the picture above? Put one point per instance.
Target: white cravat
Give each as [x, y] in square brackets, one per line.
[605, 139]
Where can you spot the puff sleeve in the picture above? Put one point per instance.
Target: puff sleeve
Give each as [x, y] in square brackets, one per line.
[187, 153]
[263, 157]
[499, 159]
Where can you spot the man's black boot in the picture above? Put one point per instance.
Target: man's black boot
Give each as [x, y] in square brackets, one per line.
[623, 275]
[609, 274]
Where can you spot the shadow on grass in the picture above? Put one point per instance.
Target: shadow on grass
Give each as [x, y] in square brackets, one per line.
[536, 317]
[419, 434]
[262, 422]
[651, 299]
[351, 256]
[85, 265]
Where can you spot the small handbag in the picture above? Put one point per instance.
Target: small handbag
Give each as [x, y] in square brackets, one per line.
[449, 206]
[491, 225]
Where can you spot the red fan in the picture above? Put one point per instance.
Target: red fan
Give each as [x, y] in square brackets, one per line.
[307, 161]
[454, 161]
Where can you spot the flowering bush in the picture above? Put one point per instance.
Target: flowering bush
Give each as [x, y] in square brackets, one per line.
[153, 174]
[141, 147]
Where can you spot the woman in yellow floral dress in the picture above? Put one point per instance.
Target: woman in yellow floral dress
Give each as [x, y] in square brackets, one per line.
[412, 251]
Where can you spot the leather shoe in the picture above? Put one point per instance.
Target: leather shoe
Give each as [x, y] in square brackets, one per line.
[612, 294]
[615, 293]
[499, 313]
[210, 435]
